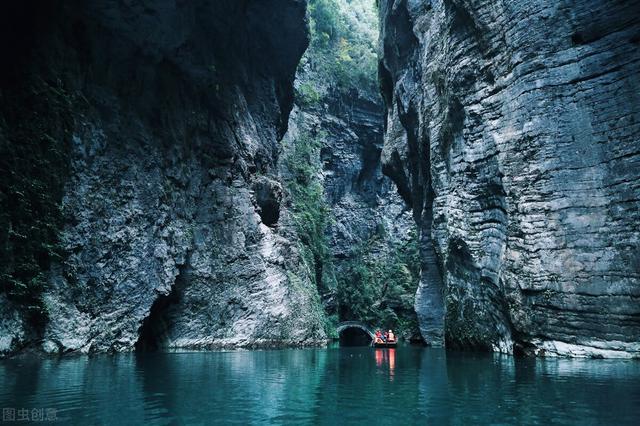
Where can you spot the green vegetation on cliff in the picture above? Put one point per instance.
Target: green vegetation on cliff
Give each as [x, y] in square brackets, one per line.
[375, 281]
[342, 56]
[311, 212]
[379, 283]
[35, 133]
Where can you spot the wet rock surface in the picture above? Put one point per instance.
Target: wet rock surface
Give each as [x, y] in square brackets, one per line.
[513, 132]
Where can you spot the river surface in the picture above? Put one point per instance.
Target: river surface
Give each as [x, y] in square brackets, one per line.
[331, 386]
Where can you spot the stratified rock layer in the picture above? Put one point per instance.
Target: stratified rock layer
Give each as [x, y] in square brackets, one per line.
[181, 105]
[513, 130]
[363, 204]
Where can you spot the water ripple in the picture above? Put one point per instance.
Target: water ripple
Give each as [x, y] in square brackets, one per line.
[325, 386]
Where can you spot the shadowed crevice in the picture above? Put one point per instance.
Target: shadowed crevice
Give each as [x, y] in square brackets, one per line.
[154, 331]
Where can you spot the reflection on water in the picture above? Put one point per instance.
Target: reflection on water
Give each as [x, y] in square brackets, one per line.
[386, 358]
[325, 386]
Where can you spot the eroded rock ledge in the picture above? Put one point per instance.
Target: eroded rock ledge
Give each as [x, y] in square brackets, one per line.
[513, 130]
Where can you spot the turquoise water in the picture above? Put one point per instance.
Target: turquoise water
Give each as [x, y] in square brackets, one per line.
[322, 386]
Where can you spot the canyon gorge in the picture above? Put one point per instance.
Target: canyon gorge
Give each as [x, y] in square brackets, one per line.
[249, 174]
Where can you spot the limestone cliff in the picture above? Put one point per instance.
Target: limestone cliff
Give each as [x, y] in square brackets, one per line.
[168, 196]
[513, 131]
[357, 233]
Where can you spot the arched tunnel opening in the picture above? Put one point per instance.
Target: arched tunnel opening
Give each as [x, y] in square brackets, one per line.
[354, 336]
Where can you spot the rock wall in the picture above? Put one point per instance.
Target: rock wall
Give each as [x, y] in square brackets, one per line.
[357, 233]
[364, 210]
[362, 198]
[171, 205]
[513, 131]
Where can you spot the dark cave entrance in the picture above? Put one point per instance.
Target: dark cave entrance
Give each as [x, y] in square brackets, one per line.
[153, 334]
[354, 336]
[268, 197]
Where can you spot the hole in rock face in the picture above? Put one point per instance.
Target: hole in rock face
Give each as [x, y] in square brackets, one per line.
[577, 38]
[153, 334]
[354, 336]
[268, 197]
[269, 212]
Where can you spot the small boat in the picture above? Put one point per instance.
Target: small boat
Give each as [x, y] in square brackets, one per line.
[391, 344]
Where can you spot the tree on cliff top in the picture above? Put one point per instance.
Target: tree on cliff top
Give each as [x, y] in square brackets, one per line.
[342, 56]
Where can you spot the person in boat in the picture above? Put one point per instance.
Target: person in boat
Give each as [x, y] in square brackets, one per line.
[390, 336]
[385, 336]
[378, 336]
